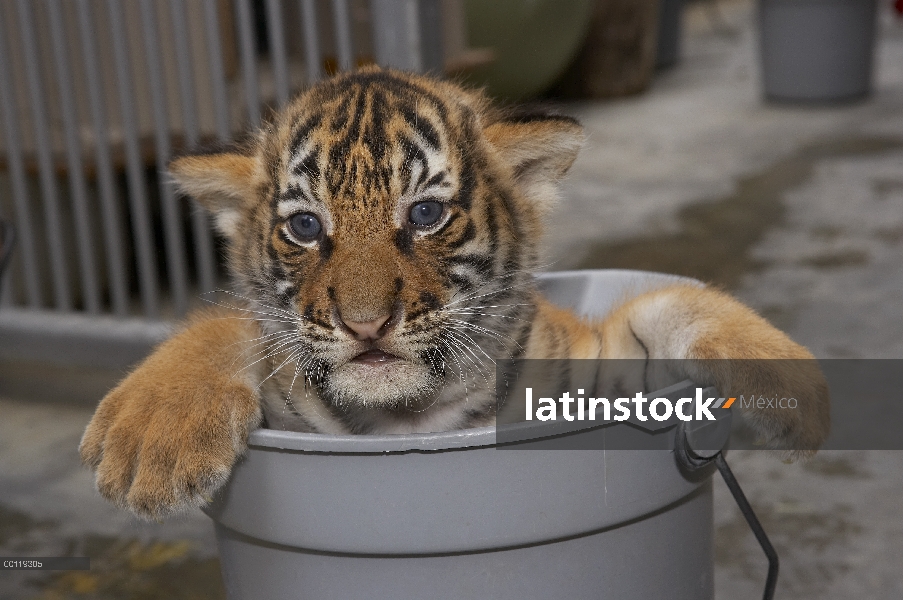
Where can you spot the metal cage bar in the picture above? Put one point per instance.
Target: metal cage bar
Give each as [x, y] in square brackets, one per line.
[217, 76]
[138, 202]
[312, 55]
[247, 43]
[74, 172]
[277, 50]
[342, 21]
[200, 225]
[174, 235]
[16, 166]
[407, 33]
[96, 96]
[49, 193]
[114, 236]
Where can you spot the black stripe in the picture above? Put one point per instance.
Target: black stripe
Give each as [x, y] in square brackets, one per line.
[481, 263]
[436, 179]
[463, 283]
[430, 300]
[412, 316]
[284, 298]
[302, 132]
[512, 212]
[374, 140]
[360, 107]
[469, 233]
[340, 115]
[294, 192]
[404, 240]
[310, 317]
[317, 337]
[539, 117]
[422, 126]
[422, 179]
[336, 168]
[492, 226]
[412, 153]
[400, 86]
[276, 271]
[468, 183]
[511, 266]
[468, 167]
[451, 219]
[523, 339]
[326, 248]
[309, 167]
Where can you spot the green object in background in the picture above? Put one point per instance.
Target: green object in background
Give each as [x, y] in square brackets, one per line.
[533, 41]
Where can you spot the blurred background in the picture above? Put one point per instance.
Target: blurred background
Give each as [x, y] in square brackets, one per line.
[755, 145]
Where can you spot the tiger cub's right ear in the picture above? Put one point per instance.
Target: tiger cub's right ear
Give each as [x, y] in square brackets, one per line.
[222, 183]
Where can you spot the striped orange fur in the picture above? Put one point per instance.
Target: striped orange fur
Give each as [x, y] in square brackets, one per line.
[382, 235]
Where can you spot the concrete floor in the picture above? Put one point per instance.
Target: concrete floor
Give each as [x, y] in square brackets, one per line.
[797, 210]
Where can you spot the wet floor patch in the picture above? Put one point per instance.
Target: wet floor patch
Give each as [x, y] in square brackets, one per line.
[837, 260]
[714, 238]
[890, 235]
[16, 529]
[888, 187]
[120, 568]
[136, 570]
[810, 542]
[836, 467]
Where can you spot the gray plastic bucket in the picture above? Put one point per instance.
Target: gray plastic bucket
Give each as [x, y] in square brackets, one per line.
[450, 516]
[817, 50]
[7, 239]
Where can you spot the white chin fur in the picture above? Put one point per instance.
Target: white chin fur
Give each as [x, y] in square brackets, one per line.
[380, 384]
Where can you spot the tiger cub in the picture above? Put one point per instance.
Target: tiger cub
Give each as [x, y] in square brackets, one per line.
[382, 234]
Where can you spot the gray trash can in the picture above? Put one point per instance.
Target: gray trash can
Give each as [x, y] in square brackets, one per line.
[817, 50]
[670, 32]
[450, 516]
[7, 239]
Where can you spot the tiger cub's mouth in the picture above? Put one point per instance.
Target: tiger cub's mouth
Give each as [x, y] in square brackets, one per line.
[377, 378]
[374, 356]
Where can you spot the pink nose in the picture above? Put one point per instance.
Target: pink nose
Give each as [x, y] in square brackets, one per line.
[368, 330]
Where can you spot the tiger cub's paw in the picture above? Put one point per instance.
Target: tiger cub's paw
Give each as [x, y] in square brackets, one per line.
[165, 441]
[792, 417]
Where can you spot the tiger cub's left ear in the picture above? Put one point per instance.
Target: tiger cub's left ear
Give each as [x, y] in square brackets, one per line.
[539, 149]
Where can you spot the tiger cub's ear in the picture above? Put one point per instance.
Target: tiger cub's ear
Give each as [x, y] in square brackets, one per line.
[539, 149]
[222, 183]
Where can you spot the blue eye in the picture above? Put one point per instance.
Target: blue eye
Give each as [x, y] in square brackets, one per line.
[305, 226]
[424, 214]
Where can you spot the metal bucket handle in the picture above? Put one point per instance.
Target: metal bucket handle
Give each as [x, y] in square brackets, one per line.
[692, 457]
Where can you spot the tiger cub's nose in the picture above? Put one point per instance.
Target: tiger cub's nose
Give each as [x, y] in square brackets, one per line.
[368, 330]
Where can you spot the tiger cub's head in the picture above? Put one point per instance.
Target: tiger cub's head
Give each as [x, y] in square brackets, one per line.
[385, 226]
